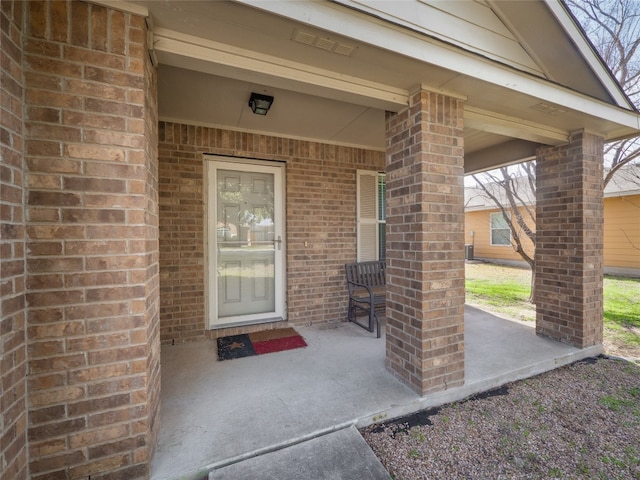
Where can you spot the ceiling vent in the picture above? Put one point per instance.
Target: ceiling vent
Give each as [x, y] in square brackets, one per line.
[548, 109]
[322, 43]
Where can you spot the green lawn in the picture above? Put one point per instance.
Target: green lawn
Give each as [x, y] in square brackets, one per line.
[622, 310]
[505, 291]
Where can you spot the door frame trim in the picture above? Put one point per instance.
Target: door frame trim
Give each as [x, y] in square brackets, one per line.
[279, 170]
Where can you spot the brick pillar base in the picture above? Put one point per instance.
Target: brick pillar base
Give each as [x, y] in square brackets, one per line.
[425, 243]
[569, 241]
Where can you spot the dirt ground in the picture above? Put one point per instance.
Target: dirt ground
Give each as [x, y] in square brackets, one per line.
[581, 421]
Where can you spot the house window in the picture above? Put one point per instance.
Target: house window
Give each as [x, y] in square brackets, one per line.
[371, 216]
[500, 231]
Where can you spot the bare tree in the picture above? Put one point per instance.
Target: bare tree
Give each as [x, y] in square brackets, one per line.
[613, 27]
[513, 190]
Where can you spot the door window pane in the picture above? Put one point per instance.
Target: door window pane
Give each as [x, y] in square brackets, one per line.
[245, 243]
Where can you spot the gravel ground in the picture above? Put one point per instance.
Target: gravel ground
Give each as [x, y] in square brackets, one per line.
[577, 422]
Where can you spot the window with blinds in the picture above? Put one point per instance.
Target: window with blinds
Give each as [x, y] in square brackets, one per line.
[371, 219]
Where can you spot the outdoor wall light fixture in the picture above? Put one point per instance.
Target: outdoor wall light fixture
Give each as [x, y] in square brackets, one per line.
[260, 104]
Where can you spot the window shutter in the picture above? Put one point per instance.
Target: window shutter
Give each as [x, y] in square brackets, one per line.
[367, 213]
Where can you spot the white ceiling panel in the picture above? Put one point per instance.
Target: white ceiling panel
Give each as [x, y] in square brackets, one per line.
[196, 97]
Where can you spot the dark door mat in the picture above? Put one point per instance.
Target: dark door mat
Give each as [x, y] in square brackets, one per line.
[259, 343]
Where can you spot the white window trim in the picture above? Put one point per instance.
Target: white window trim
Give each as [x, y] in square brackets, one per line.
[212, 163]
[491, 229]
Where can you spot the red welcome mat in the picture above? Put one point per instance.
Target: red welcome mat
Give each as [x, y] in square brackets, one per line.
[258, 343]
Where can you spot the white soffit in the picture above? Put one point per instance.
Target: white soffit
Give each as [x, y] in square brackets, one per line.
[324, 50]
[501, 154]
[222, 102]
[195, 50]
[383, 34]
[491, 122]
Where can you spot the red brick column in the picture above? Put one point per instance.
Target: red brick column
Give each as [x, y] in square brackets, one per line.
[13, 347]
[91, 141]
[569, 240]
[425, 243]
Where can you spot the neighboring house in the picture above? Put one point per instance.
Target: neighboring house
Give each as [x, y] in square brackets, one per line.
[491, 239]
[144, 203]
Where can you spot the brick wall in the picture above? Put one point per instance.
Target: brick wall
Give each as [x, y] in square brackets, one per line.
[321, 210]
[92, 242]
[13, 350]
[569, 241]
[149, 427]
[425, 243]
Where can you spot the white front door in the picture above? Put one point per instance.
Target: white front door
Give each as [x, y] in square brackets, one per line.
[246, 243]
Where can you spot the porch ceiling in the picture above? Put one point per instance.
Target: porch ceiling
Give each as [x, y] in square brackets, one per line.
[212, 55]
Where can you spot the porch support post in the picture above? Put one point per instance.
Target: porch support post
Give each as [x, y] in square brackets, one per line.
[91, 139]
[569, 243]
[425, 242]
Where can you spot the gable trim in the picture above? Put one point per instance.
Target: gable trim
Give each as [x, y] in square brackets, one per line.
[577, 35]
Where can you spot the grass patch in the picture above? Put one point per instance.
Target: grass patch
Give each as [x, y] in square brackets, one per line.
[504, 291]
[622, 310]
[498, 293]
[508, 298]
[615, 403]
[501, 290]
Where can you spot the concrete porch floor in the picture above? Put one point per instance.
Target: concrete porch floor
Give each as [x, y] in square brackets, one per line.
[217, 413]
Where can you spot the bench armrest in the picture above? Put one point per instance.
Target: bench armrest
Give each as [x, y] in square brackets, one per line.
[363, 286]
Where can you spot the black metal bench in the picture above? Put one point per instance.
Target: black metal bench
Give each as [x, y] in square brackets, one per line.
[366, 282]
